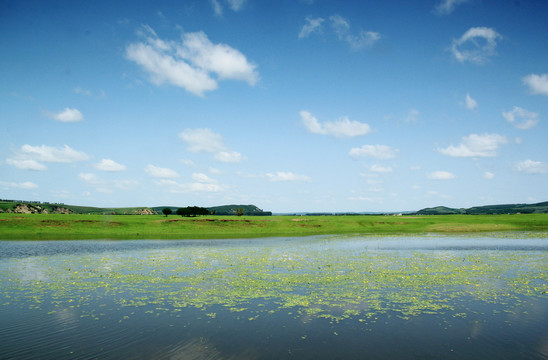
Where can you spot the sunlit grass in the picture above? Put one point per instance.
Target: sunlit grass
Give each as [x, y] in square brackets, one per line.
[41, 226]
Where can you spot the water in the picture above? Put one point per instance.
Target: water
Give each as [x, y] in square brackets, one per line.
[321, 297]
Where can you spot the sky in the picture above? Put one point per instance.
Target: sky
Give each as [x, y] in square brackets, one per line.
[290, 105]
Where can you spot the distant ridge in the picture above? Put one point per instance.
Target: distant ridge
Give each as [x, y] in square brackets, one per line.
[538, 208]
[37, 207]
[249, 210]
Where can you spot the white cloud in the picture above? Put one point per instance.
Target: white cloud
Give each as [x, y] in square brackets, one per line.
[446, 7]
[229, 156]
[29, 157]
[476, 45]
[538, 84]
[343, 127]
[374, 151]
[202, 140]
[109, 165]
[470, 103]
[529, 119]
[380, 169]
[67, 115]
[21, 185]
[532, 167]
[191, 63]
[175, 187]
[202, 178]
[234, 5]
[488, 175]
[217, 7]
[475, 145]
[286, 176]
[50, 154]
[89, 178]
[159, 172]
[312, 25]
[441, 175]
[27, 164]
[106, 187]
[205, 140]
[364, 39]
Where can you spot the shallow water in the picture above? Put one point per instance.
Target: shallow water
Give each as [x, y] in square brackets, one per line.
[321, 297]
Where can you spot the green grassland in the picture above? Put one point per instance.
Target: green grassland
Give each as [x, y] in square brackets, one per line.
[78, 226]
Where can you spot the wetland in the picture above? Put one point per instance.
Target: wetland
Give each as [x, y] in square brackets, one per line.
[313, 297]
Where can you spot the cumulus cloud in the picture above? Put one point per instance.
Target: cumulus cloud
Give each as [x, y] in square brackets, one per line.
[374, 151]
[27, 164]
[441, 175]
[470, 103]
[109, 165]
[67, 115]
[446, 7]
[312, 25]
[89, 178]
[202, 178]
[521, 118]
[176, 187]
[229, 156]
[363, 39]
[205, 140]
[475, 145]
[202, 140]
[29, 157]
[343, 127]
[532, 167]
[20, 185]
[159, 172]
[194, 63]
[104, 186]
[476, 45]
[538, 84]
[286, 176]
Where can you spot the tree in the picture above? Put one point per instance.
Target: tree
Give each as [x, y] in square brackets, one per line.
[192, 211]
[166, 211]
[240, 211]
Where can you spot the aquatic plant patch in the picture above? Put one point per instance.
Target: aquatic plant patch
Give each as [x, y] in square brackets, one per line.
[318, 278]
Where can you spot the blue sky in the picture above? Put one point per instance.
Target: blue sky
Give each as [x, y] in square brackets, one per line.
[289, 105]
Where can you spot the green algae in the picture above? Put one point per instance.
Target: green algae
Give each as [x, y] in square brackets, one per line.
[316, 279]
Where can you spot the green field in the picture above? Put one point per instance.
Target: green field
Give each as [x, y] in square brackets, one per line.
[57, 226]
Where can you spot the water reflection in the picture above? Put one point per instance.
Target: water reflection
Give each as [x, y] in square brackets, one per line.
[315, 297]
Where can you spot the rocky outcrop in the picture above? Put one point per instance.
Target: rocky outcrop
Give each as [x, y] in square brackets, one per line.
[37, 209]
[144, 212]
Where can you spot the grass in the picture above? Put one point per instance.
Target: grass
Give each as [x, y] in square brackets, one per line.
[56, 226]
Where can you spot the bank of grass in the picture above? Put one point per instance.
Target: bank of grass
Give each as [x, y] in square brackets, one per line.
[56, 226]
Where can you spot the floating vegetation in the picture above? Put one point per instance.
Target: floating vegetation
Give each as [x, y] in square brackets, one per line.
[335, 278]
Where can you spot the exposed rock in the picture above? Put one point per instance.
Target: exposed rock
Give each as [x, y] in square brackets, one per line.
[143, 212]
[23, 209]
[61, 210]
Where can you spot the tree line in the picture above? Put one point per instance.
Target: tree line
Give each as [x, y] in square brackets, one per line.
[189, 211]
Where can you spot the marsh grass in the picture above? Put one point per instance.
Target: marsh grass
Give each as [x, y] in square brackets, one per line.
[54, 226]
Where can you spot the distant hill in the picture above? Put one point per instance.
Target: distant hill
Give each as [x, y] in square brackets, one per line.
[249, 210]
[537, 208]
[36, 207]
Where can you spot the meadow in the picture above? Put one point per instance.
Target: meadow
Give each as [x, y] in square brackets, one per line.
[77, 226]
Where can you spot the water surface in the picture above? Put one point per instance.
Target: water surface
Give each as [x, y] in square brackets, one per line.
[309, 298]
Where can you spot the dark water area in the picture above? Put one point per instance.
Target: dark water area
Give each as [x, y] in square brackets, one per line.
[322, 297]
